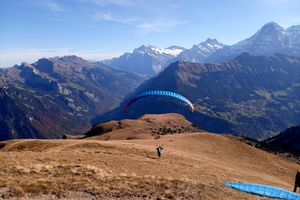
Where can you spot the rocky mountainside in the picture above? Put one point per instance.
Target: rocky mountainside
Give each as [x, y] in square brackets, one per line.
[199, 53]
[287, 141]
[58, 95]
[270, 39]
[145, 60]
[253, 96]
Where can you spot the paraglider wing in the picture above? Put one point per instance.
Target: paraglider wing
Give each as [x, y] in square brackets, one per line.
[159, 93]
[264, 190]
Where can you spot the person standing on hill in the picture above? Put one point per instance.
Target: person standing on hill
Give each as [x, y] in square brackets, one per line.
[159, 150]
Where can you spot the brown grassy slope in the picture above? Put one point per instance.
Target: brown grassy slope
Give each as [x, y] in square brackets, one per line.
[193, 166]
[147, 127]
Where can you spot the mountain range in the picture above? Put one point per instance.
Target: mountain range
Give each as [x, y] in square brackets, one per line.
[145, 60]
[268, 40]
[250, 88]
[58, 95]
[253, 96]
[199, 53]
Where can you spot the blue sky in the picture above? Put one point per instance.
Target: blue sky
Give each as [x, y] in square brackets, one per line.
[100, 29]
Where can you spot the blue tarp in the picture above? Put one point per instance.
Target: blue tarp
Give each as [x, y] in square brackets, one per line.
[264, 190]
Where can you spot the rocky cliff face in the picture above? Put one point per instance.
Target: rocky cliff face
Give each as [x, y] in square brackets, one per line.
[58, 95]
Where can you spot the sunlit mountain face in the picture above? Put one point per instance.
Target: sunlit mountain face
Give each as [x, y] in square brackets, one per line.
[58, 95]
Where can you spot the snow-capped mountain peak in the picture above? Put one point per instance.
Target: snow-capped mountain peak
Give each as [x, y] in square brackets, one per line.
[169, 51]
[270, 29]
[293, 34]
[155, 50]
[146, 59]
[294, 28]
[268, 40]
[176, 47]
[210, 45]
[198, 53]
[272, 25]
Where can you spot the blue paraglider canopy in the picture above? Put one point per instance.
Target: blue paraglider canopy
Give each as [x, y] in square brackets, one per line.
[159, 93]
[264, 190]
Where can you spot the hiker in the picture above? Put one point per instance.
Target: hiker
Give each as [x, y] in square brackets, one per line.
[159, 150]
[297, 181]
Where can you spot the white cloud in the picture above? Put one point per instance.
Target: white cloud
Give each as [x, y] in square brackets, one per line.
[105, 16]
[9, 58]
[151, 17]
[52, 6]
[159, 25]
[117, 19]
